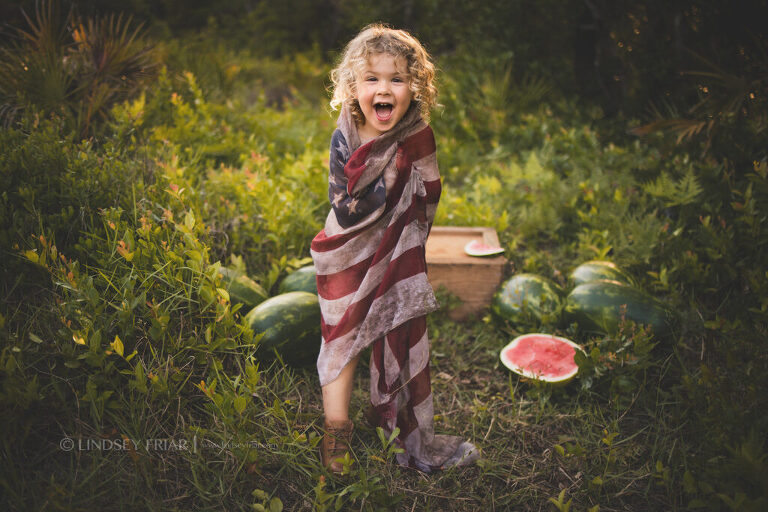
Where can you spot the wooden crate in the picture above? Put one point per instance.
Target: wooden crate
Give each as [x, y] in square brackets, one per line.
[474, 280]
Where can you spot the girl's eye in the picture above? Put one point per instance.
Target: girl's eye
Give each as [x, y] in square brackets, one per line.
[370, 79]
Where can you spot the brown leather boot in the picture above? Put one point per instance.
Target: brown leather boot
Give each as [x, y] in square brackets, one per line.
[335, 443]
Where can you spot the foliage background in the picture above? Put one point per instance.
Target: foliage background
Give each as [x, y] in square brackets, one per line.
[629, 131]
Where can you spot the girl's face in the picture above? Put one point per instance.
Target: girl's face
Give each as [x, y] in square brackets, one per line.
[384, 93]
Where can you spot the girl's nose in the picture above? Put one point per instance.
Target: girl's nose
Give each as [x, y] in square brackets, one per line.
[383, 87]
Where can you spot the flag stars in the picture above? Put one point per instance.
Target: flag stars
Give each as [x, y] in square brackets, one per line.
[343, 153]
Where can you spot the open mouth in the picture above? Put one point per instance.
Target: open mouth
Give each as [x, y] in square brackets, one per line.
[383, 111]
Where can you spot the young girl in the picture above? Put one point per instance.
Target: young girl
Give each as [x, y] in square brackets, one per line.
[371, 270]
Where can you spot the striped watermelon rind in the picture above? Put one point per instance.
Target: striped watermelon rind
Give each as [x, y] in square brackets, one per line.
[518, 368]
[290, 323]
[300, 280]
[527, 299]
[596, 306]
[242, 289]
[596, 270]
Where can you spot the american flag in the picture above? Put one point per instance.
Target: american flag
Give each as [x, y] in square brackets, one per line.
[372, 280]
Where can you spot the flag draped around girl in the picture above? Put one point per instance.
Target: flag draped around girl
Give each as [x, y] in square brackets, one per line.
[384, 188]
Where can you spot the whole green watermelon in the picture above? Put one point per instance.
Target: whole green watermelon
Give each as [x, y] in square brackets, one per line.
[527, 300]
[596, 270]
[242, 289]
[301, 280]
[291, 326]
[597, 306]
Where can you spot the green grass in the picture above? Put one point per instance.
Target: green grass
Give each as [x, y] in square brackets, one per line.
[517, 425]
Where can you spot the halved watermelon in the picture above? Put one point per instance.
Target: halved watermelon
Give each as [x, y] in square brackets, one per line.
[542, 357]
[478, 248]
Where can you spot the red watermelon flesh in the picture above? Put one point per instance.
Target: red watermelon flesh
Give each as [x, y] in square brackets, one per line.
[477, 248]
[543, 357]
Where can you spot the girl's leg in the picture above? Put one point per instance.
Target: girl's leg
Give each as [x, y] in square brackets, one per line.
[336, 394]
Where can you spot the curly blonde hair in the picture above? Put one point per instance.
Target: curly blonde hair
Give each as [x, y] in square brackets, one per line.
[377, 39]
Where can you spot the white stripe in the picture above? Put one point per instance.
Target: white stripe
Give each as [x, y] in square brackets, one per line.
[333, 228]
[333, 357]
[425, 416]
[427, 166]
[413, 444]
[376, 397]
[418, 357]
[465, 454]
[391, 368]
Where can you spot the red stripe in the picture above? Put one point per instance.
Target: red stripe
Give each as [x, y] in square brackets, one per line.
[433, 190]
[394, 334]
[419, 329]
[408, 264]
[355, 166]
[399, 340]
[341, 284]
[417, 146]
[419, 387]
[408, 335]
[323, 243]
[403, 175]
[406, 422]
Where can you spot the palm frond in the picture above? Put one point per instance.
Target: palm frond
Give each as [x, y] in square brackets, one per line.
[78, 66]
[683, 128]
[113, 61]
[723, 97]
[47, 32]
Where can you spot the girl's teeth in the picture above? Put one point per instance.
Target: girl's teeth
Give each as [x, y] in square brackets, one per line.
[383, 112]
